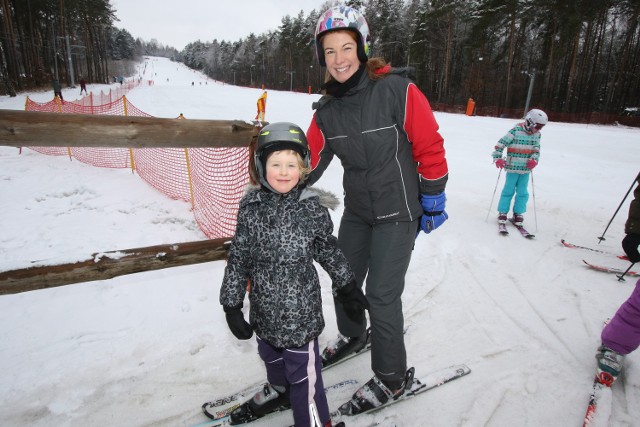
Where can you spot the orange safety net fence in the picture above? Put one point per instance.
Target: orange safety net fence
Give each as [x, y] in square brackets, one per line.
[213, 180]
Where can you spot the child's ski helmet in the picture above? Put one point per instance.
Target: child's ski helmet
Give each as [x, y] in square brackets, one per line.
[276, 137]
[343, 18]
[535, 119]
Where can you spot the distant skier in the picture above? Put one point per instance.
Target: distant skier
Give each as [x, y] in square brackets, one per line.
[621, 335]
[83, 86]
[262, 107]
[57, 89]
[523, 151]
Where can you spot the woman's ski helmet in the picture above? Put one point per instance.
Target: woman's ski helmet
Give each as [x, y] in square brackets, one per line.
[276, 137]
[343, 18]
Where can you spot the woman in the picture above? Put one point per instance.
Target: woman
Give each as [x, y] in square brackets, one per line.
[382, 129]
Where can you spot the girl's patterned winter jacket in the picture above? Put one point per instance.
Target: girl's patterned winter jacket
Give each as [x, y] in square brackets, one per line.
[521, 146]
[276, 241]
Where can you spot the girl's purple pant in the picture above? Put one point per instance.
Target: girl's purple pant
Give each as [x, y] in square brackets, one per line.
[622, 333]
[300, 369]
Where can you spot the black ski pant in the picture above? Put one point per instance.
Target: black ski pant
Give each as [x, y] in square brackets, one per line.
[379, 254]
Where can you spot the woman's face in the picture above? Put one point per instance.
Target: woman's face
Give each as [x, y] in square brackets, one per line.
[341, 54]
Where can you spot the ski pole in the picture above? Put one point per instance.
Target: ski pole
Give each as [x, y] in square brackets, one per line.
[533, 191]
[621, 277]
[601, 238]
[494, 195]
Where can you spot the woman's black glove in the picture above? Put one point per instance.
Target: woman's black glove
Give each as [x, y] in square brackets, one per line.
[353, 301]
[239, 327]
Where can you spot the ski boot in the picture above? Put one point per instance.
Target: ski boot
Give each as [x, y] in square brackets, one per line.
[376, 393]
[502, 218]
[518, 219]
[609, 365]
[343, 346]
[264, 402]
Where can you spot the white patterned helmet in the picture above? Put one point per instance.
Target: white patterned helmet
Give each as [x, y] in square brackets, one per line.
[343, 18]
[535, 120]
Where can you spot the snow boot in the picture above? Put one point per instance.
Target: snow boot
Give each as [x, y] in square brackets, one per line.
[343, 346]
[267, 400]
[609, 365]
[518, 219]
[376, 393]
[502, 218]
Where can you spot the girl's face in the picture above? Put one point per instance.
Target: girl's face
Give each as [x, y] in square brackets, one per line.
[283, 170]
[341, 54]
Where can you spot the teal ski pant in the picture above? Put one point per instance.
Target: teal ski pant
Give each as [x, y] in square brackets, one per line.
[515, 183]
[379, 253]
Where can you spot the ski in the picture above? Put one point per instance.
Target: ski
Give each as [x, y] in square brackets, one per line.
[502, 229]
[572, 246]
[209, 408]
[222, 417]
[418, 385]
[613, 270]
[521, 229]
[597, 412]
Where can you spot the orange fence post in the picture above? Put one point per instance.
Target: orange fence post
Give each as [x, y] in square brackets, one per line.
[471, 106]
[186, 155]
[126, 114]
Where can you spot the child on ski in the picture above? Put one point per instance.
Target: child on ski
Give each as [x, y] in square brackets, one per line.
[621, 335]
[523, 151]
[282, 228]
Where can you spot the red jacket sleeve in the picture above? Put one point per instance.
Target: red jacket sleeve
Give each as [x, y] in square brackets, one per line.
[428, 145]
[321, 155]
[315, 139]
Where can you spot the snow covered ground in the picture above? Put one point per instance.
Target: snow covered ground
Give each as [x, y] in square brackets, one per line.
[150, 348]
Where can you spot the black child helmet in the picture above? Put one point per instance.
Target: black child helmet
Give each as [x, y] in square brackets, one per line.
[276, 137]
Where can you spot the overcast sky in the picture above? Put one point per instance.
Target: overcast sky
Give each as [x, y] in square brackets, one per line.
[186, 21]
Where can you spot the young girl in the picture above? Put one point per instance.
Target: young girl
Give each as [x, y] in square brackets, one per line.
[523, 151]
[282, 228]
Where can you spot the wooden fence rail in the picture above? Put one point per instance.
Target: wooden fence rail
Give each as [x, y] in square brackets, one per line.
[107, 265]
[36, 129]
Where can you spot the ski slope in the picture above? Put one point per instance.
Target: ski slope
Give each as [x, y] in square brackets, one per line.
[148, 349]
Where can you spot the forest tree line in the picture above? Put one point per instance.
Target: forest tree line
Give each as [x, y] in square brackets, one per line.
[65, 40]
[581, 55]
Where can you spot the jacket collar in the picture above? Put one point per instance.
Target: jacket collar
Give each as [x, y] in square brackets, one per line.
[361, 80]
